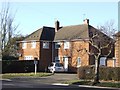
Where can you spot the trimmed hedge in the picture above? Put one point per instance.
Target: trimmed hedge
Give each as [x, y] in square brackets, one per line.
[105, 73]
[16, 66]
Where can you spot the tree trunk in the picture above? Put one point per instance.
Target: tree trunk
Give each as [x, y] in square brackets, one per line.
[96, 77]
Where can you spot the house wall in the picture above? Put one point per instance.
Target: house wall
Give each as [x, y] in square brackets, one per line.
[29, 51]
[73, 53]
[117, 51]
[111, 62]
[45, 57]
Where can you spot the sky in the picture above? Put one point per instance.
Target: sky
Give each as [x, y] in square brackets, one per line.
[34, 15]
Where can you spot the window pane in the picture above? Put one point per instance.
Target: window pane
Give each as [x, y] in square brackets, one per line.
[78, 62]
[57, 59]
[57, 45]
[33, 44]
[46, 45]
[103, 61]
[24, 45]
[66, 45]
[28, 58]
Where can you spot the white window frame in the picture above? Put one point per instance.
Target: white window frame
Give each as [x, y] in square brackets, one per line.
[66, 45]
[46, 45]
[24, 45]
[33, 44]
[28, 57]
[78, 62]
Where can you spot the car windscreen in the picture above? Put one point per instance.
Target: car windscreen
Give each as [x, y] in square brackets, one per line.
[58, 65]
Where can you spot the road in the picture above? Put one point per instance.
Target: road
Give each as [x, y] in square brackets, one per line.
[44, 82]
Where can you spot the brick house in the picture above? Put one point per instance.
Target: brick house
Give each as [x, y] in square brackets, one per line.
[117, 49]
[70, 42]
[38, 45]
[63, 44]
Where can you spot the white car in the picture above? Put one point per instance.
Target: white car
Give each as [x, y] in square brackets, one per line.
[56, 67]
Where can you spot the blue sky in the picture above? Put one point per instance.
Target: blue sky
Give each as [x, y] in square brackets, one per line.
[33, 15]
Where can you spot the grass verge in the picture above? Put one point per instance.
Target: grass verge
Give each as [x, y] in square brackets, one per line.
[109, 84]
[13, 75]
[102, 84]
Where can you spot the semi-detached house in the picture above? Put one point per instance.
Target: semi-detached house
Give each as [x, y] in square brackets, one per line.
[67, 45]
[38, 45]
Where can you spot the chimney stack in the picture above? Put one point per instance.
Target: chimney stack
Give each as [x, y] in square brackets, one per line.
[86, 21]
[57, 25]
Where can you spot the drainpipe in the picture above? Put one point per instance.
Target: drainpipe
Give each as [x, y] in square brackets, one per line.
[52, 51]
[0, 46]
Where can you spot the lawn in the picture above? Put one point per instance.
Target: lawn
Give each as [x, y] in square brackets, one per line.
[102, 84]
[13, 75]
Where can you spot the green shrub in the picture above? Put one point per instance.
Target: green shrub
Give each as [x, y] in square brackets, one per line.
[85, 72]
[105, 73]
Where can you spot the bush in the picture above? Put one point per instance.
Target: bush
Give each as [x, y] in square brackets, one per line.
[85, 72]
[105, 73]
[16, 66]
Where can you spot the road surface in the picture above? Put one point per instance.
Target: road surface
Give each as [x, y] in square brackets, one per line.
[51, 82]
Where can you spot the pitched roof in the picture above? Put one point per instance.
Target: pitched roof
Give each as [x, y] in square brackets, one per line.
[35, 35]
[45, 33]
[83, 31]
[72, 32]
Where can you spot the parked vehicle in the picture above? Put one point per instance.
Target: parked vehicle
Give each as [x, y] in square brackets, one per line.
[56, 67]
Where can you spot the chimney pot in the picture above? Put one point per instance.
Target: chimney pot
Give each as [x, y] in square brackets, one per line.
[86, 21]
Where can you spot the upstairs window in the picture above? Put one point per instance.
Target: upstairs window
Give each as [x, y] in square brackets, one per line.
[57, 45]
[46, 45]
[24, 45]
[33, 44]
[66, 45]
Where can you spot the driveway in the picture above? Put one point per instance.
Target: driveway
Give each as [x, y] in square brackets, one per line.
[60, 77]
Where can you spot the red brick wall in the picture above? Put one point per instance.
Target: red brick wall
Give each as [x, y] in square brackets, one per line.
[117, 51]
[45, 56]
[73, 54]
[30, 51]
[110, 62]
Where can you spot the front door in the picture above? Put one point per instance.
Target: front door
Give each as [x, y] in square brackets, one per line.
[66, 63]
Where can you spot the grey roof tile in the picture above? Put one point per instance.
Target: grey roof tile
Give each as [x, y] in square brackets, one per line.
[45, 33]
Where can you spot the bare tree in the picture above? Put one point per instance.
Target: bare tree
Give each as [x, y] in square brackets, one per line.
[99, 46]
[6, 27]
[108, 28]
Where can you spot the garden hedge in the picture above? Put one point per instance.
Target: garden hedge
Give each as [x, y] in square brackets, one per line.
[16, 66]
[105, 73]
